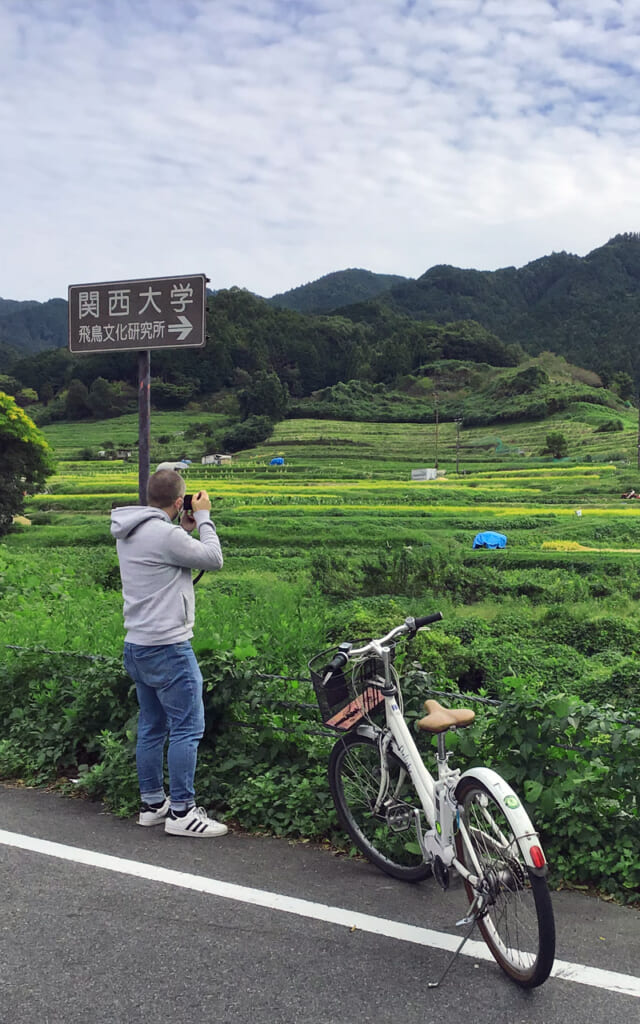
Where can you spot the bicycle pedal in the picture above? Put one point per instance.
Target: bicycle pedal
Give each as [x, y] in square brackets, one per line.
[400, 817]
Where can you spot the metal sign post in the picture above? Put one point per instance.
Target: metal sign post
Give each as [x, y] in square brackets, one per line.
[138, 315]
[144, 423]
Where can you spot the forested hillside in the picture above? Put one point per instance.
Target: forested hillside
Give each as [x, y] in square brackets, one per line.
[584, 308]
[247, 336]
[342, 288]
[31, 327]
[587, 309]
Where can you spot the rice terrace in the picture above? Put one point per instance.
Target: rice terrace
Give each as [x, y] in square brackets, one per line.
[339, 542]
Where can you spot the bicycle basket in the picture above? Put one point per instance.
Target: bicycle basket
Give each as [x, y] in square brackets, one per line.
[346, 698]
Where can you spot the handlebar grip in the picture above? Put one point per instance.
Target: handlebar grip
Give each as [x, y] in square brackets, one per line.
[336, 663]
[425, 620]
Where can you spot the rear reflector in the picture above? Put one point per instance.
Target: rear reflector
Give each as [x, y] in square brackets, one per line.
[537, 856]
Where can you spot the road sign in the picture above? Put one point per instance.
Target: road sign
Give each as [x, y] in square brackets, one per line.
[120, 316]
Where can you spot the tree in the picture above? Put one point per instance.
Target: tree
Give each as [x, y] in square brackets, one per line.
[25, 459]
[623, 384]
[26, 396]
[103, 399]
[265, 395]
[77, 403]
[247, 434]
[46, 392]
[557, 445]
[165, 395]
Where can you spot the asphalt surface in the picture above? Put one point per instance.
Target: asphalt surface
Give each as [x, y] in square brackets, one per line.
[82, 943]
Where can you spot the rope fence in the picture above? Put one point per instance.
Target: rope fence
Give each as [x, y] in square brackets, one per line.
[313, 708]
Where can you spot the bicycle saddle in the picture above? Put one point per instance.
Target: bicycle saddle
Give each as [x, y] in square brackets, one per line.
[440, 719]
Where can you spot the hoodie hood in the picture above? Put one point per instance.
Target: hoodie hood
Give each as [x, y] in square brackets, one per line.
[125, 520]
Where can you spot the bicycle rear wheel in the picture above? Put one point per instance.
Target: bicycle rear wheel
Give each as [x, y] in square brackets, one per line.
[518, 925]
[387, 837]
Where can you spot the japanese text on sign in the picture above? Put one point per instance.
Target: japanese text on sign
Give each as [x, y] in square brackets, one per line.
[166, 312]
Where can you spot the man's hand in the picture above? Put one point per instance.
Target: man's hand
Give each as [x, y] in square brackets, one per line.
[187, 522]
[201, 501]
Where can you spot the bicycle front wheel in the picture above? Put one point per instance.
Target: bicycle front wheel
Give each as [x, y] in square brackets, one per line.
[382, 826]
[518, 924]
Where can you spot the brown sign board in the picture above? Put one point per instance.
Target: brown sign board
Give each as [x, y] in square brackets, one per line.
[147, 313]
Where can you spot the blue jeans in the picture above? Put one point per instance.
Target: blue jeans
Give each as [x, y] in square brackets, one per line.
[169, 688]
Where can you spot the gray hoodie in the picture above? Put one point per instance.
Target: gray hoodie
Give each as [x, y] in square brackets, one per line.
[156, 559]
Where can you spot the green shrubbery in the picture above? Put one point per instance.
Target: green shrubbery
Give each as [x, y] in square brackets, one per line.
[263, 756]
[576, 766]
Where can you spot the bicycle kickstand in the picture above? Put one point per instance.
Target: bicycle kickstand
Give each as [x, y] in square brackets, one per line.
[470, 919]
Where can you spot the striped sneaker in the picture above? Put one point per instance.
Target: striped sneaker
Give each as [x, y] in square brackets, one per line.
[153, 814]
[193, 823]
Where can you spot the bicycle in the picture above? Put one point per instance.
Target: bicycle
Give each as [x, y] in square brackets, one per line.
[411, 825]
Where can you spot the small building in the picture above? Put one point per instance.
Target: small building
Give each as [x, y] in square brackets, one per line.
[424, 474]
[215, 460]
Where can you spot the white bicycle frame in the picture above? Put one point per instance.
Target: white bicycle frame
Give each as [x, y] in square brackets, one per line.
[437, 796]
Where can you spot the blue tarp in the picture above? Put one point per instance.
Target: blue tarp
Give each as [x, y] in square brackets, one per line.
[277, 462]
[488, 539]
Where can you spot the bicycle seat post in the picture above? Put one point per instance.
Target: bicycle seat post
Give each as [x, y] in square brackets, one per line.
[442, 755]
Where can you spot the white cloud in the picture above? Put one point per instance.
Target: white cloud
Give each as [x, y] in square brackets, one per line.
[272, 142]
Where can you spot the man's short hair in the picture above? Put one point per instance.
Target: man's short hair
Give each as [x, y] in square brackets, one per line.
[164, 487]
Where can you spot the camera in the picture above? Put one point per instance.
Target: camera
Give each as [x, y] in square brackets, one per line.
[186, 503]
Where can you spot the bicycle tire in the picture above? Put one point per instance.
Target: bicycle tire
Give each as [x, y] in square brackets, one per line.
[354, 780]
[520, 912]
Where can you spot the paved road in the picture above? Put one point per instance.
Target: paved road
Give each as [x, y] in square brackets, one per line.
[104, 922]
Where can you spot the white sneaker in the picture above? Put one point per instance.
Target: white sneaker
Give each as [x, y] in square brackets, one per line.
[153, 815]
[194, 823]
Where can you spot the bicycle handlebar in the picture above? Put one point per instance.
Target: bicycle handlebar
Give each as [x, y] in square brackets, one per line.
[410, 627]
[426, 620]
[338, 662]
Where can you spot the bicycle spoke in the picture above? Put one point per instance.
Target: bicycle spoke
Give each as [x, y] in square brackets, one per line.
[380, 820]
[517, 920]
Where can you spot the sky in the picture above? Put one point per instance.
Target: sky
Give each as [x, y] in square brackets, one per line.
[269, 142]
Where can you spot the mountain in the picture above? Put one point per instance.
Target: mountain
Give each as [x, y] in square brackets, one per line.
[584, 308]
[342, 288]
[33, 326]
[248, 338]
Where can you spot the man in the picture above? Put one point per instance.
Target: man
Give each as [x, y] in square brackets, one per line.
[156, 559]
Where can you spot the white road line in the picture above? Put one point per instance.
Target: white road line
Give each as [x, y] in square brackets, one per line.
[613, 981]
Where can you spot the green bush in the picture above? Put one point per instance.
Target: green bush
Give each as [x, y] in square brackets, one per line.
[609, 426]
[247, 434]
[576, 767]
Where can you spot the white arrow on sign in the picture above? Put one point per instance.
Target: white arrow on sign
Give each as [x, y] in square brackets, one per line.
[182, 329]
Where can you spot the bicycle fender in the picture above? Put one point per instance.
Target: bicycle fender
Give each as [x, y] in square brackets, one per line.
[520, 821]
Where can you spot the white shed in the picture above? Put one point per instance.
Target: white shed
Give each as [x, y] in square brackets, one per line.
[215, 460]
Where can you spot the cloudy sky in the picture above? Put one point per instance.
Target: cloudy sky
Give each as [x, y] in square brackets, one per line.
[268, 142]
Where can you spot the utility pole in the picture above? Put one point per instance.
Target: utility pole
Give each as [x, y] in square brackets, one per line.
[458, 425]
[435, 399]
[638, 401]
